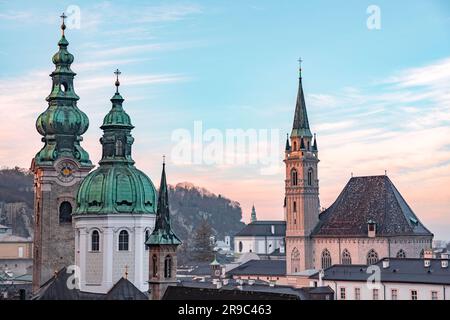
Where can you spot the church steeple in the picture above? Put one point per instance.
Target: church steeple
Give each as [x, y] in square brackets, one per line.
[62, 124]
[300, 126]
[163, 233]
[253, 218]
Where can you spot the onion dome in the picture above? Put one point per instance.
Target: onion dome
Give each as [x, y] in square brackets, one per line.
[62, 124]
[116, 186]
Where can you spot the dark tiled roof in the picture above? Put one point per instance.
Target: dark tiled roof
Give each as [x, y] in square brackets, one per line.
[125, 290]
[264, 228]
[195, 293]
[399, 270]
[260, 267]
[56, 289]
[369, 198]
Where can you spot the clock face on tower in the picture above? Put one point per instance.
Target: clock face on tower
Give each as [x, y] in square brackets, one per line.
[66, 170]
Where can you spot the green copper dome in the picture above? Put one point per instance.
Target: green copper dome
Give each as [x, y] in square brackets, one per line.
[62, 124]
[116, 186]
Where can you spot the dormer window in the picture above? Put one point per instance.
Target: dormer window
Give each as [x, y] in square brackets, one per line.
[371, 228]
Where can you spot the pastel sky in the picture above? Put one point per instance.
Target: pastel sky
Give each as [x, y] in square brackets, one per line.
[377, 99]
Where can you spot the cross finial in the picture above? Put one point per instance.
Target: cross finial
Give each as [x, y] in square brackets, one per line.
[63, 25]
[385, 172]
[126, 272]
[164, 159]
[117, 73]
[300, 67]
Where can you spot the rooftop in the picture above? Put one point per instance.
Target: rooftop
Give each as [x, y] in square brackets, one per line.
[260, 267]
[264, 228]
[369, 198]
[399, 270]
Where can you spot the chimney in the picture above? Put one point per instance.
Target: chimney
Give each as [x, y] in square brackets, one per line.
[385, 263]
[321, 275]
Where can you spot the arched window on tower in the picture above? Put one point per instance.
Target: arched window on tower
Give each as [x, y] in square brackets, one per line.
[95, 241]
[401, 254]
[119, 148]
[295, 260]
[155, 265]
[294, 177]
[346, 257]
[295, 145]
[168, 267]
[326, 259]
[65, 212]
[295, 206]
[310, 176]
[123, 240]
[372, 257]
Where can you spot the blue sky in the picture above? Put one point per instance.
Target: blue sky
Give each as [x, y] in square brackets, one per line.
[378, 99]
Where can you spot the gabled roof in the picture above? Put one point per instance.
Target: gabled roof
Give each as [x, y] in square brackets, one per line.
[399, 270]
[264, 228]
[125, 290]
[369, 198]
[260, 267]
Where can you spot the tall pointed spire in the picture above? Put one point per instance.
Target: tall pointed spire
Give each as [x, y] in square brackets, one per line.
[253, 217]
[288, 146]
[301, 124]
[163, 233]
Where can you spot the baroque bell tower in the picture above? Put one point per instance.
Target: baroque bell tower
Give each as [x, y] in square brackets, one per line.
[58, 169]
[301, 189]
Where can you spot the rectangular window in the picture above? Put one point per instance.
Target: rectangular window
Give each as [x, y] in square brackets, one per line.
[357, 294]
[434, 295]
[375, 294]
[20, 252]
[394, 294]
[342, 293]
[413, 294]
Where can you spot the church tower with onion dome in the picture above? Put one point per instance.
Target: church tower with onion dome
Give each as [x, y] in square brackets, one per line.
[116, 206]
[58, 169]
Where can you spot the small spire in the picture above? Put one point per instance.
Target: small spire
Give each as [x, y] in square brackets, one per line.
[253, 216]
[351, 174]
[63, 25]
[315, 143]
[117, 84]
[385, 172]
[288, 147]
[164, 160]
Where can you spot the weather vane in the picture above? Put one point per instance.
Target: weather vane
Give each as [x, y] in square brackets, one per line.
[300, 66]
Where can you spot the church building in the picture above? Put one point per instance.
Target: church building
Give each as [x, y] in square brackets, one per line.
[369, 220]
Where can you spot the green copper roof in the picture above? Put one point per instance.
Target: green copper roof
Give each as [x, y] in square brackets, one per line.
[300, 127]
[162, 233]
[62, 124]
[116, 186]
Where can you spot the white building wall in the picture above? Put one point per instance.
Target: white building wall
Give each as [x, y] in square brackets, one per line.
[99, 271]
[424, 291]
[258, 244]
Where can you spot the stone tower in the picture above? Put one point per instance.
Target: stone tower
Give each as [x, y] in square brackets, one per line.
[116, 206]
[301, 189]
[58, 168]
[162, 243]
